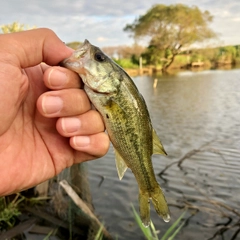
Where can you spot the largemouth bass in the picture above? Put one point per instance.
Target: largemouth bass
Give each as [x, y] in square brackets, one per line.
[127, 121]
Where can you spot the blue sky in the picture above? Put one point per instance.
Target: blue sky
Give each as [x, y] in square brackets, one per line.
[102, 22]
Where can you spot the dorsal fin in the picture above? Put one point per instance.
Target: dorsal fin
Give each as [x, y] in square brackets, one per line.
[157, 145]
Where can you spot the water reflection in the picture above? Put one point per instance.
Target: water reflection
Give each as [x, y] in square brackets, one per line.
[189, 111]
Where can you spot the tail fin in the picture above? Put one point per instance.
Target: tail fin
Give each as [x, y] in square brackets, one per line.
[144, 208]
[159, 203]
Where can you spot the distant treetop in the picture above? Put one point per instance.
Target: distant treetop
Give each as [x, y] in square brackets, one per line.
[74, 45]
[15, 27]
[169, 28]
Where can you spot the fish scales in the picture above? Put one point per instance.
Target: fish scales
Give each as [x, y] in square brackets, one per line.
[122, 141]
[127, 121]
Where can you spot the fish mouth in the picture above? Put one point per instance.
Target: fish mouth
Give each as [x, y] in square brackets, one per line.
[82, 50]
[85, 44]
[72, 64]
[89, 89]
[76, 61]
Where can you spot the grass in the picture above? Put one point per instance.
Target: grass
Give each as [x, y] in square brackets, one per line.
[174, 229]
[99, 234]
[9, 211]
[152, 234]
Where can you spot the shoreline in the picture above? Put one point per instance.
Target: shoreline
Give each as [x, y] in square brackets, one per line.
[150, 70]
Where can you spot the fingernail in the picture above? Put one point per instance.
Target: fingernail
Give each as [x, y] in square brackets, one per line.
[51, 104]
[57, 78]
[70, 125]
[81, 141]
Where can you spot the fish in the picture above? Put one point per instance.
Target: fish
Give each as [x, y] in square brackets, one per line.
[126, 117]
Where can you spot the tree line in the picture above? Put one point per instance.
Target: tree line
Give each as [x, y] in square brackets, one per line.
[129, 56]
[169, 33]
[164, 37]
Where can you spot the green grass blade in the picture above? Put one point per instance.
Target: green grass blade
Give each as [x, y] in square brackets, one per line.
[99, 234]
[172, 228]
[176, 232]
[49, 235]
[146, 231]
[154, 231]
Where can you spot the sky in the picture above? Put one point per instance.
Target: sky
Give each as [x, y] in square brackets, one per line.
[102, 21]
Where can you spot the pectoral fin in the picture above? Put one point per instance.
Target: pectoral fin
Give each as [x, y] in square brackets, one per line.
[120, 164]
[157, 145]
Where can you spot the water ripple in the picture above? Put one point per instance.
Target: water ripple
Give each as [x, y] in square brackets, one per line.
[189, 111]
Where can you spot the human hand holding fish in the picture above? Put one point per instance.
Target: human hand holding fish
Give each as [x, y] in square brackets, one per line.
[42, 128]
[127, 121]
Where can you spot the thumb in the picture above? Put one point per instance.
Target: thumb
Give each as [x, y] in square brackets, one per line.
[33, 47]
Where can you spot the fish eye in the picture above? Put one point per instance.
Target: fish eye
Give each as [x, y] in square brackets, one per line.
[100, 57]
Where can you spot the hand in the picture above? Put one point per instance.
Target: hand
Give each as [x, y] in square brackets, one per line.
[46, 121]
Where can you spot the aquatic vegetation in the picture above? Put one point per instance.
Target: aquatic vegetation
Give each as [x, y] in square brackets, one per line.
[9, 211]
[152, 234]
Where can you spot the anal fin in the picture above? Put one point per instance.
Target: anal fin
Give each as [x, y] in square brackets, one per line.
[120, 164]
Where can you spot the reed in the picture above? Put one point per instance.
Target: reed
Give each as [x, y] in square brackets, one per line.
[152, 234]
[9, 211]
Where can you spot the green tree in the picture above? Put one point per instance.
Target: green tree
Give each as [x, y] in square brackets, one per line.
[14, 27]
[74, 45]
[228, 54]
[170, 28]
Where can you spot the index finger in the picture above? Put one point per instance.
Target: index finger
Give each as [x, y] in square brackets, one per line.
[57, 78]
[33, 47]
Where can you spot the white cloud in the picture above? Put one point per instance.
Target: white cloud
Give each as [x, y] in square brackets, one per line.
[102, 21]
[102, 39]
[236, 19]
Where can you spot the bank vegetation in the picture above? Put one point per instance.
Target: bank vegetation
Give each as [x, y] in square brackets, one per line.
[135, 59]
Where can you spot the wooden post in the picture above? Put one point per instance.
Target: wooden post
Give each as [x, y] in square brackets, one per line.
[140, 65]
[155, 83]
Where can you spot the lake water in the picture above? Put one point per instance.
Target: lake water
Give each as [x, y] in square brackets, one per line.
[190, 111]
